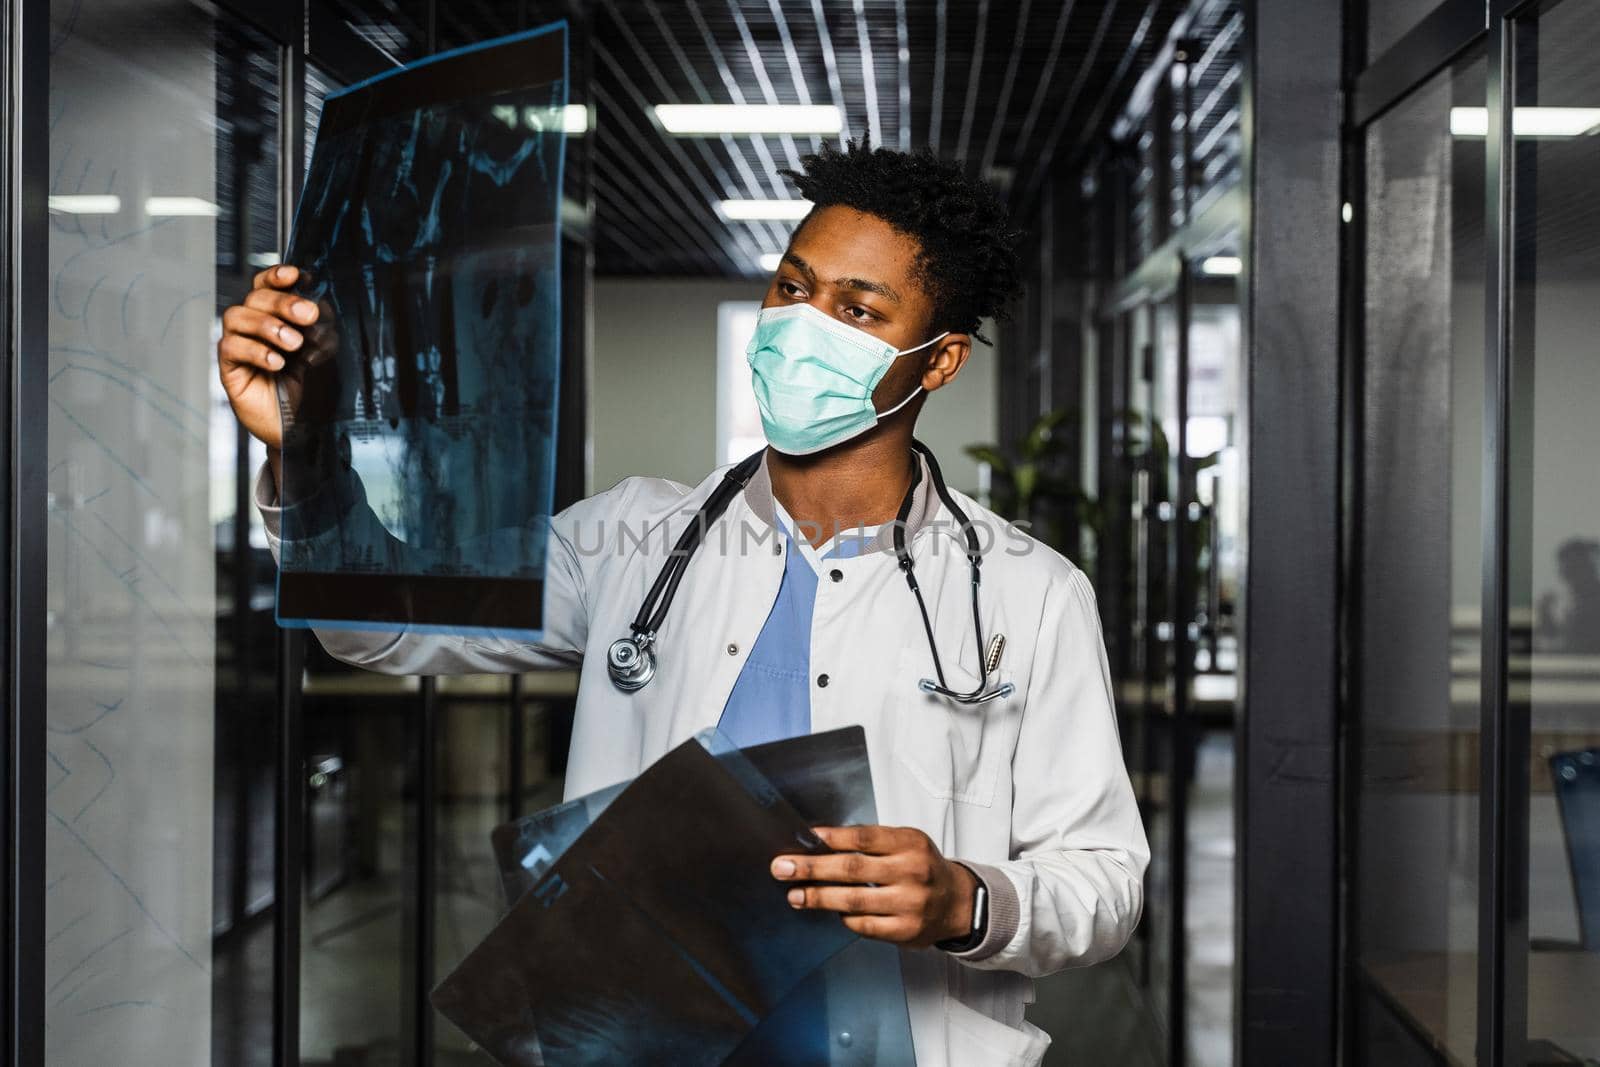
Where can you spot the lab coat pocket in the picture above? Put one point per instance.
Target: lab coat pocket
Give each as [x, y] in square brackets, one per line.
[954, 750]
[974, 1038]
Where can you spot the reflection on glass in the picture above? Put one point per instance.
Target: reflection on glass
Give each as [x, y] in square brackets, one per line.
[1417, 705]
[131, 599]
[1554, 543]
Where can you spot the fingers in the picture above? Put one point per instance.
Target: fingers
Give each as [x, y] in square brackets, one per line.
[287, 306]
[236, 350]
[873, 840]
[851, 867]
[848, 899]
[249, 322]
[280, 277]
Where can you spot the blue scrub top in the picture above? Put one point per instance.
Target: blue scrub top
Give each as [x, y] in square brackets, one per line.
[771, 700]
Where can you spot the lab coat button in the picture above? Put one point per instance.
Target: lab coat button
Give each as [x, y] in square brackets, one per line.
[836, 574]
[845, 1038]
[733, 650]
[822, 680]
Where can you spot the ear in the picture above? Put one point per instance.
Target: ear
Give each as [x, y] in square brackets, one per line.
[946, 361]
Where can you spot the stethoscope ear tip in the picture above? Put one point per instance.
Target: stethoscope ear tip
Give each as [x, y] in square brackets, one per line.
[928, 685]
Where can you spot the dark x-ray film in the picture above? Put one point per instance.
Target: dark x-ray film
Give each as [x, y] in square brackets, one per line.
[420, 415]
[850, 1010]
[658, 936]
[825, 777]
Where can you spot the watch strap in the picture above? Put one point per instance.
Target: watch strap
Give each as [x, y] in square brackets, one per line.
[980, 921]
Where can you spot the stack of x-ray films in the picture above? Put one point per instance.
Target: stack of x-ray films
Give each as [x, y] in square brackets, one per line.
[645, 927]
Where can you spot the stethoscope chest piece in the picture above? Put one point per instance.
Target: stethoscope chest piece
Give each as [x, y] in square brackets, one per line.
[631, 662]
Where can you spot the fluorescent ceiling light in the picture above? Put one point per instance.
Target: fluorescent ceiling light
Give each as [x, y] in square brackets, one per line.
[1224, 265]
[576, 120]
[755, 210]
[1528, 121]
[770, 260]
[86, 205]
[180, 205]
[710, 120]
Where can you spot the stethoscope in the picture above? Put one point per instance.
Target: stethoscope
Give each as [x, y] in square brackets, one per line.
[631, 660]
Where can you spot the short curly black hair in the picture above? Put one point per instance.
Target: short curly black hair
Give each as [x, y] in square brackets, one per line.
[968, 258]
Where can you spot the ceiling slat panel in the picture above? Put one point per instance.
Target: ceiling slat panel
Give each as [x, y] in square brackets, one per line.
[1016, 82]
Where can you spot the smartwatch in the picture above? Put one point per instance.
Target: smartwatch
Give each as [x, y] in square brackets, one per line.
[980, 922]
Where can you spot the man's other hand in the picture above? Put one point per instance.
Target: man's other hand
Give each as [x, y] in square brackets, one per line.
[887, 882]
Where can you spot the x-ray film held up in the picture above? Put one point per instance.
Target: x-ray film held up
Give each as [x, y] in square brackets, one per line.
[420, 416]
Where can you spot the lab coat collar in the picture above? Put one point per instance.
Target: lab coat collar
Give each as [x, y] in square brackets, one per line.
[924, 507]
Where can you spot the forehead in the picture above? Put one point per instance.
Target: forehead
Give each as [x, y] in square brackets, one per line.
[841, 242]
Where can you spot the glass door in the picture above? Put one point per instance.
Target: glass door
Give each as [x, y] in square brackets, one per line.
[1175, 648]
[1147, 424]
[1163, 429]
[1211, 492]
[1132, 419]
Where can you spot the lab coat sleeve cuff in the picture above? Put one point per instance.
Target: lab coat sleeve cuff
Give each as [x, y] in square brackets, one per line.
[314, 515]
[1005, 912]
[266, 494]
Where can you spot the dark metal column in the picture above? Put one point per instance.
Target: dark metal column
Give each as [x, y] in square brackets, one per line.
[1288, 874]
[1180, 568]
[289, 870]
[1508, 389]
[26, 154]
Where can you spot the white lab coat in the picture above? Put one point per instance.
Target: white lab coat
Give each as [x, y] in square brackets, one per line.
[1030, 790]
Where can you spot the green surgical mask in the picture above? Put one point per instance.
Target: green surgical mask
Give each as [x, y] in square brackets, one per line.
[814, 376]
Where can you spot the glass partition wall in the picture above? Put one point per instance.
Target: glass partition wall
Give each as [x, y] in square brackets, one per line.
[1473, 853]
[1415, 830]
[251, 854]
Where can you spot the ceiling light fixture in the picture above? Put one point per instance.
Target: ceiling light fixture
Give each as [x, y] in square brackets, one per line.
[712, 120]
[1550, 122]
[765, 210]
[171, 206]
[770, 260]
[85, 205]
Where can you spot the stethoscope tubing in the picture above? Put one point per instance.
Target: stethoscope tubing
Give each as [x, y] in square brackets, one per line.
[631, 660]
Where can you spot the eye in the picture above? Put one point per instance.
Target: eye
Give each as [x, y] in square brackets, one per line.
[790, 289]
[858, 314]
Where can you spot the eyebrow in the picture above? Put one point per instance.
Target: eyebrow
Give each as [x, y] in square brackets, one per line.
[855, 284]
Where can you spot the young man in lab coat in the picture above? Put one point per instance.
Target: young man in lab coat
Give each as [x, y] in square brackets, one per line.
[873, 309]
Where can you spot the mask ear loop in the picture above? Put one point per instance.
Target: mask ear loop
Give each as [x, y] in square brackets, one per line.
[909, 398]
[911, 395]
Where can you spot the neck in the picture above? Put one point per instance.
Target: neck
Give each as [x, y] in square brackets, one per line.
[858, 483]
